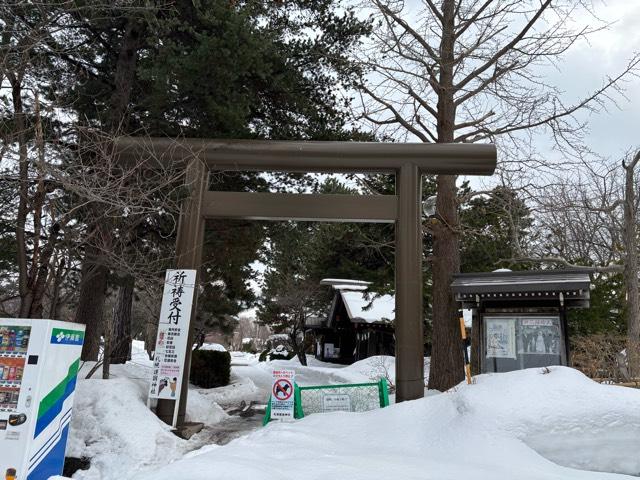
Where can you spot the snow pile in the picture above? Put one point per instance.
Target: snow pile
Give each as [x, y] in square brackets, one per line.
[112, 425]
[490, 430]
[316, 373]
[213, 346]
[202, 408]
[239, 390]
[377, 367]
[243, 358]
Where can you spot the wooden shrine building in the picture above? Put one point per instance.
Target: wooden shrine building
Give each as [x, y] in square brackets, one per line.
[359, 324]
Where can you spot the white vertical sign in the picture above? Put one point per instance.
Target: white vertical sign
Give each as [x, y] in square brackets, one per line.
[173, 334]
[282, 394]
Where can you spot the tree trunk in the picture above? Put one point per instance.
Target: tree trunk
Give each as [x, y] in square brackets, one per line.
[298, 346]
[447, 364]
[302, 356]
[631, 271]
[40, 284]
[93, 286]
[55, 295]
[94, 272]
[150, 334]
[26, 296]
[121, 323]
[106, 354]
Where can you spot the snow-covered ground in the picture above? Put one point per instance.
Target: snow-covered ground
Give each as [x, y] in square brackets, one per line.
[113, 427]
[531, 424]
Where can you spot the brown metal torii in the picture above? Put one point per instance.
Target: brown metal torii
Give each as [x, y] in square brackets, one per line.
[408, 161]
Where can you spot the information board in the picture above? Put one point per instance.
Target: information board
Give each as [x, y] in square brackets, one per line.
[173, 334]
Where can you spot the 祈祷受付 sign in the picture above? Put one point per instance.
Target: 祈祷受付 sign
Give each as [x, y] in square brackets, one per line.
[173, 333]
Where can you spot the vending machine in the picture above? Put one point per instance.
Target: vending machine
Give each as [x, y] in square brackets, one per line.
[39, 361]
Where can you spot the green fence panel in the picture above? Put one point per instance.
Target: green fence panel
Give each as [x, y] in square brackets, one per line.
[351, 397]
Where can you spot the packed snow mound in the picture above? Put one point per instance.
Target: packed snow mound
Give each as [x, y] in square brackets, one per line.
[113, 426]
[379, 366]
[202, 408]
[315, 373]
[216, 347]
[241, 389]
[489, 430]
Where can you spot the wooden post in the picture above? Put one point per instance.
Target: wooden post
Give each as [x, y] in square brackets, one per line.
[188, 256]
[409, 315]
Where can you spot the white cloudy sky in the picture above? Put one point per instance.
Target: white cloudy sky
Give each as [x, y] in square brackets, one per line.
[611, 133]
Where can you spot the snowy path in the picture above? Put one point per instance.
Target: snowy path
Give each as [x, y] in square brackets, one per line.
[227, 430]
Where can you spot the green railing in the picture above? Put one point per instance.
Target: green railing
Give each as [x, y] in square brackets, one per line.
[360, 397]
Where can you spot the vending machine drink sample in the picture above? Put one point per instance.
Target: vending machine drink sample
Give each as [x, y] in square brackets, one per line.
[39, 361]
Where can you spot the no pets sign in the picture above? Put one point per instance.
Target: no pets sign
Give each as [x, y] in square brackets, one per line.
[282, 394]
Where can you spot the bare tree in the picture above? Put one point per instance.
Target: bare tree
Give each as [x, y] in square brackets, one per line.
[590, 220]
[631, 265]
[23, 144]
[288, 311]
[466, 71]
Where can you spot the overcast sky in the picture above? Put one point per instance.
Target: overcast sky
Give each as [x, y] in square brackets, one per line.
[584, 67]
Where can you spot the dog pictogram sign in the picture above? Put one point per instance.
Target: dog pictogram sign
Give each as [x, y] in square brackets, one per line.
[282, 402]
[282, 389]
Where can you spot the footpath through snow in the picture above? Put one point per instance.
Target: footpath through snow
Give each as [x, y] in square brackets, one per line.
[502, 427]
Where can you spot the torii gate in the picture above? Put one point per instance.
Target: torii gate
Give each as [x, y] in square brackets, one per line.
[408, 161]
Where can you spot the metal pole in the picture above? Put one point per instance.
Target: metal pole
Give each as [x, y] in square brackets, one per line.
[188, 256]
[409, 316]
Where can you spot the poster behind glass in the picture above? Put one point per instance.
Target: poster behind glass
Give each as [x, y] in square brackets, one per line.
[514, 343]
[501, 337]
[538, 336]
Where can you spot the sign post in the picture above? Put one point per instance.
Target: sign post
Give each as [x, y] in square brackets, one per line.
[172, 338]
[282, 395]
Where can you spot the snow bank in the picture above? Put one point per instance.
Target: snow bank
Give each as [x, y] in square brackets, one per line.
[213, 346]
[202, 408]
[239, 390]
[491, 430]
[243, 358]
[377, 367]
[113, 426]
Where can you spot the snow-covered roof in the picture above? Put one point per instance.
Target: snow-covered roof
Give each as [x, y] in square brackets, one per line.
[534, 280]
[367, 308]
[345, 284]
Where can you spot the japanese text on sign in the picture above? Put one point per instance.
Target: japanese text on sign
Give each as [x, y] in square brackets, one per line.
[173, 333]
